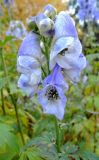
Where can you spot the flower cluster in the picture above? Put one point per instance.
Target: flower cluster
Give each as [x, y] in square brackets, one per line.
[87, 11]
[8, 2]
[17, 30]
[48, 54]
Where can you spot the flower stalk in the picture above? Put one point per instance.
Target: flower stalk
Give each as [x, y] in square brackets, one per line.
[57, 135]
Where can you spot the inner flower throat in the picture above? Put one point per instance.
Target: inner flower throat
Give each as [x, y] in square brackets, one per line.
[63, 51]
[51, 93]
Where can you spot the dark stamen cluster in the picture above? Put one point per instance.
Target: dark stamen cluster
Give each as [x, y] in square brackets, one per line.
[51, 93]
[63, 51]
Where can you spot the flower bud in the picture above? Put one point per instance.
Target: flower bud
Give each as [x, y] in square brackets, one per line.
[31, 23]
[50, 11]
[46, 27]
[17, 30]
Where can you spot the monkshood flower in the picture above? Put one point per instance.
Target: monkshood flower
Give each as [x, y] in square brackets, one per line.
[29, 63]
[66, 49]
[87, 11]
[17, 30]
[50, 11]
[8, 3]
[52, 97]
[45, 25]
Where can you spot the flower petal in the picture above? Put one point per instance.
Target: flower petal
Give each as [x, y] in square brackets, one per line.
[73, 47]
[70, 61]
[27, 64]
[56, 78]
[35, 77]
[64, 26]
[57, 47]
[23, 83]
[30, 46]
[74, 73]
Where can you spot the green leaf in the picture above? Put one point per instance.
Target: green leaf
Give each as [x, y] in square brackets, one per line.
[70, 148]
[87, 155]
[31, 154]
[8, 142]
[3, 82]
[7, 39]
[91, 57]
[44, 148]
[64, 157]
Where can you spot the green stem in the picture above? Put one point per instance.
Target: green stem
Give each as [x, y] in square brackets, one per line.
[46, 52]
[11, 96]
[2, 96]
[57, 135]
[3, 62]
[2, 105]
[43, 71]
[47, 56]
[17, 117]
[95, 127]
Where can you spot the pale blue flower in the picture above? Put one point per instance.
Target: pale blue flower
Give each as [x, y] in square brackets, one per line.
[87, 10]
[66, 48]
[29, 63]
[17, 30]
[50, 11]
[8, 2]
[52, 97]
